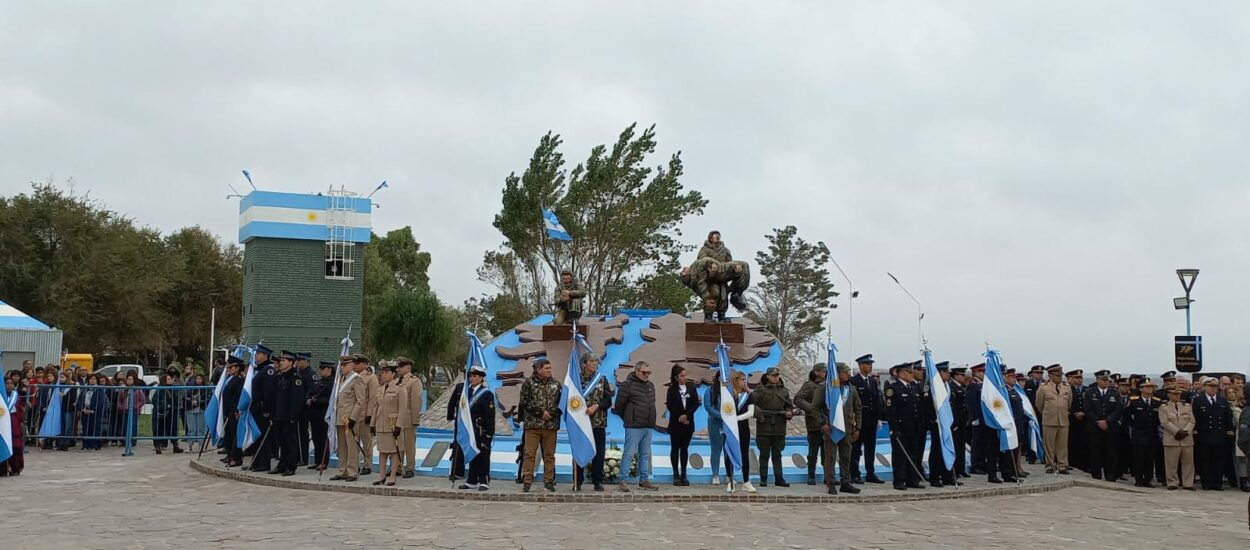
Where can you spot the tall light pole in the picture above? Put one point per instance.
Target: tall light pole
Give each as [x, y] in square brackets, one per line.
[1187, 277]
[850, 306]
[919, 311]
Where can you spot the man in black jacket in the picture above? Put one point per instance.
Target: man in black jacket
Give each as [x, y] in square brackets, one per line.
[317, 403]
[872, 410]
[482, 418]
[230, 409]
[1078, 454]
[1213, 420]
[959, 409]
[1142, 418]
[1102, 410]
[288, 409]
[303, 369]
[903, 404]
[264, 391]
[635, 404]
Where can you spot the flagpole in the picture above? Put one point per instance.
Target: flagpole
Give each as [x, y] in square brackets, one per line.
[919, 311]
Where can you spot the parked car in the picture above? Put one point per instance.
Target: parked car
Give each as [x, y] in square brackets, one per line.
[149, 375]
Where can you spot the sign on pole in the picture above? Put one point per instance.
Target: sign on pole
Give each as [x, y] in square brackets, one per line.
[1189, 353]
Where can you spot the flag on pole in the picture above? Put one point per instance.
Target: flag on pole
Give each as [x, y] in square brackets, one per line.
[728, 408]
[51, 426]
[333, 410]
[214, 413]
[1035, 427]
[465, 437]
[941, 392]
[554, 229]
[8, 404]
[835, 398]
[573, 401]
[994, 405]
[249, 430]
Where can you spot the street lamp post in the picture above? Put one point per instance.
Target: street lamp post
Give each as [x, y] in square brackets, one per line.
[850, 306]
[1187, 277]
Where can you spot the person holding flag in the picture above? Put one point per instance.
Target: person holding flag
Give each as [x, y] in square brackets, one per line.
[836, 402]
[348, 404]
[1031, 424]
[996, 414]
[904, 409]
[231, 392]
[942, 437]
[541, 395]
[11, 447]
[330, 413]
[737, 409]
[474, 406]
[596, 398]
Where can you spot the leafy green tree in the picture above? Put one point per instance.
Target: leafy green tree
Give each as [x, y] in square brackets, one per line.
[622, 213]
[796, 292]
[204, 273]
[412, 323]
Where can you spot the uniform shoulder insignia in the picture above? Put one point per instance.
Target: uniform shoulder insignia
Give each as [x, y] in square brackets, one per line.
[889, 392]
[299, 382]
[492, 404]
[1134, 398]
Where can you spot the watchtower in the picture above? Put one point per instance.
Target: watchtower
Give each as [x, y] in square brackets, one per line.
[303, 268]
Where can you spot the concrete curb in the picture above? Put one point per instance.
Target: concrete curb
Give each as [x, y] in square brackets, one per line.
[612, 497]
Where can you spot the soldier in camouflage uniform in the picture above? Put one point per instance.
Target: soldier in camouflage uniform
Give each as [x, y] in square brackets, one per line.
[773, 408]
[599, 398]
[715, 249]
[702, 277]
[541, 396]
[736, 276]
[569, 299]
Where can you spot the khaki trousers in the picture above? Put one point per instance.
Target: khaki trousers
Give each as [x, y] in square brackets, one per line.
[839, 453]
[1182, 457]
[534, 437]
[366, 442]
[408, 444]
[1055, 440]
[348, 455]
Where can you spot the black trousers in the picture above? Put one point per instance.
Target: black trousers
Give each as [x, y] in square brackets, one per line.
[320, 440]
[302, 434]
[1144, 461]
[744, 446]
[815, 449]
[1211, 468]
[1078, 453]
[263, 449]
[1230, 458]
[479, 467]
[596, 465]
[960, 435]
[937, 463]
[1102, 454]
[286, 433]
[903, 457]
[231, 440]
[865, 448]
[987, 445]
[978, 445]
[1123, 453]
[679, 450]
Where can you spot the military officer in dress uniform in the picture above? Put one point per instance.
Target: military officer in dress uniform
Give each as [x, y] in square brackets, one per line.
[1123, 441]
[1054, 403]
[389, 414]
[1102, 408]
[482, 416]
[288, 410]
[1214, 421]
[318, 402]
[264, 392]
[1016, 398]
[1078, 454]
[230, 409]
[907, 426]
[363, 434]
[1031, 384]
[412, 383]
[872, 409]
[1143, 421]
[959, 409]
[940, 473]
[975, 424]
[351, 400]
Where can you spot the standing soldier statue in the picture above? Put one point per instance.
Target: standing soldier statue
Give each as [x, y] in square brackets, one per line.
[568, 299]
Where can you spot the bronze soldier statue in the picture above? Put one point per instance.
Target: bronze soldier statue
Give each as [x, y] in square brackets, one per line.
[568, 299]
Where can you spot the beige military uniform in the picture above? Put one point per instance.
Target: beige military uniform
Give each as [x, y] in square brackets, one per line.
[412, 383]
[390, 413]
[1178, 417]
[350, 404]
[1053, 403]
[362, 431]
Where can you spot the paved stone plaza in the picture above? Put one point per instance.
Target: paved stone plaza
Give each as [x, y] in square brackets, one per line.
[75, 500]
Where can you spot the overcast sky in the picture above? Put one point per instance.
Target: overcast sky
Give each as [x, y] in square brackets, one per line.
[1034, 172]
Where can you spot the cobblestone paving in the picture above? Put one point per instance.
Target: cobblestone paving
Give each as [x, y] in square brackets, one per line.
[73, 500]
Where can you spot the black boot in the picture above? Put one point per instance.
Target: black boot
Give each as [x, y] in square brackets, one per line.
[849, 489]
[1245, 485]
[737, 302]
[811, 478]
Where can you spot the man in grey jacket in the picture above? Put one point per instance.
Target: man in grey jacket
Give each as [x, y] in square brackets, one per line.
[635, 404]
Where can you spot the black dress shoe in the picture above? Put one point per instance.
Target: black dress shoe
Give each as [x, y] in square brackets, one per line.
[781, 483]
[337, 478]
[900, 487]
[275, 470]
[850, 489]
[937, 485]
[763, 483]
[598, 487]
[833, 490]
[994, 479]
[1010, 479]
[365, 471]
[915, 485]
[1065, 472]
[312, 466]
[873, 479]
[409, 474]
[288, 473]
[811, 480]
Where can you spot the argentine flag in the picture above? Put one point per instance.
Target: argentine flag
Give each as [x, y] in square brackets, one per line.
[333, 410]
[214, 412]
[941, 393]
[8, 404]
[995, 407]
[51, 426]
[554, 229]
[728, 409]
[835, 398]
[248, 428]
[1035, 427]
[573, 401]
[465, 436]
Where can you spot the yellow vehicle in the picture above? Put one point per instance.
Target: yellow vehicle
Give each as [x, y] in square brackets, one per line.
[85, 360]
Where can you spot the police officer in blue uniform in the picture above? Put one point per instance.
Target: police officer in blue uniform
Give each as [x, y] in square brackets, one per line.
[230, 409]
[1021, 421]
[264, 390]
[1031, 384]
[987, 436]
[872, 408]
[959, 409]
[907, 426]
[318, 402]
[482, 418]
[303, 366]
[1142, 418]
[1078, 454]
[1213, 420]
[288, 408]
[941, 474]
[1102, 409]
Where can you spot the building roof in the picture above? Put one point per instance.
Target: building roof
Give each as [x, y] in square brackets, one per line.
[11, 317]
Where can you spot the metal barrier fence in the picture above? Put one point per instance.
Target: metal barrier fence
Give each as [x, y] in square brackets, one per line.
[93, 416]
